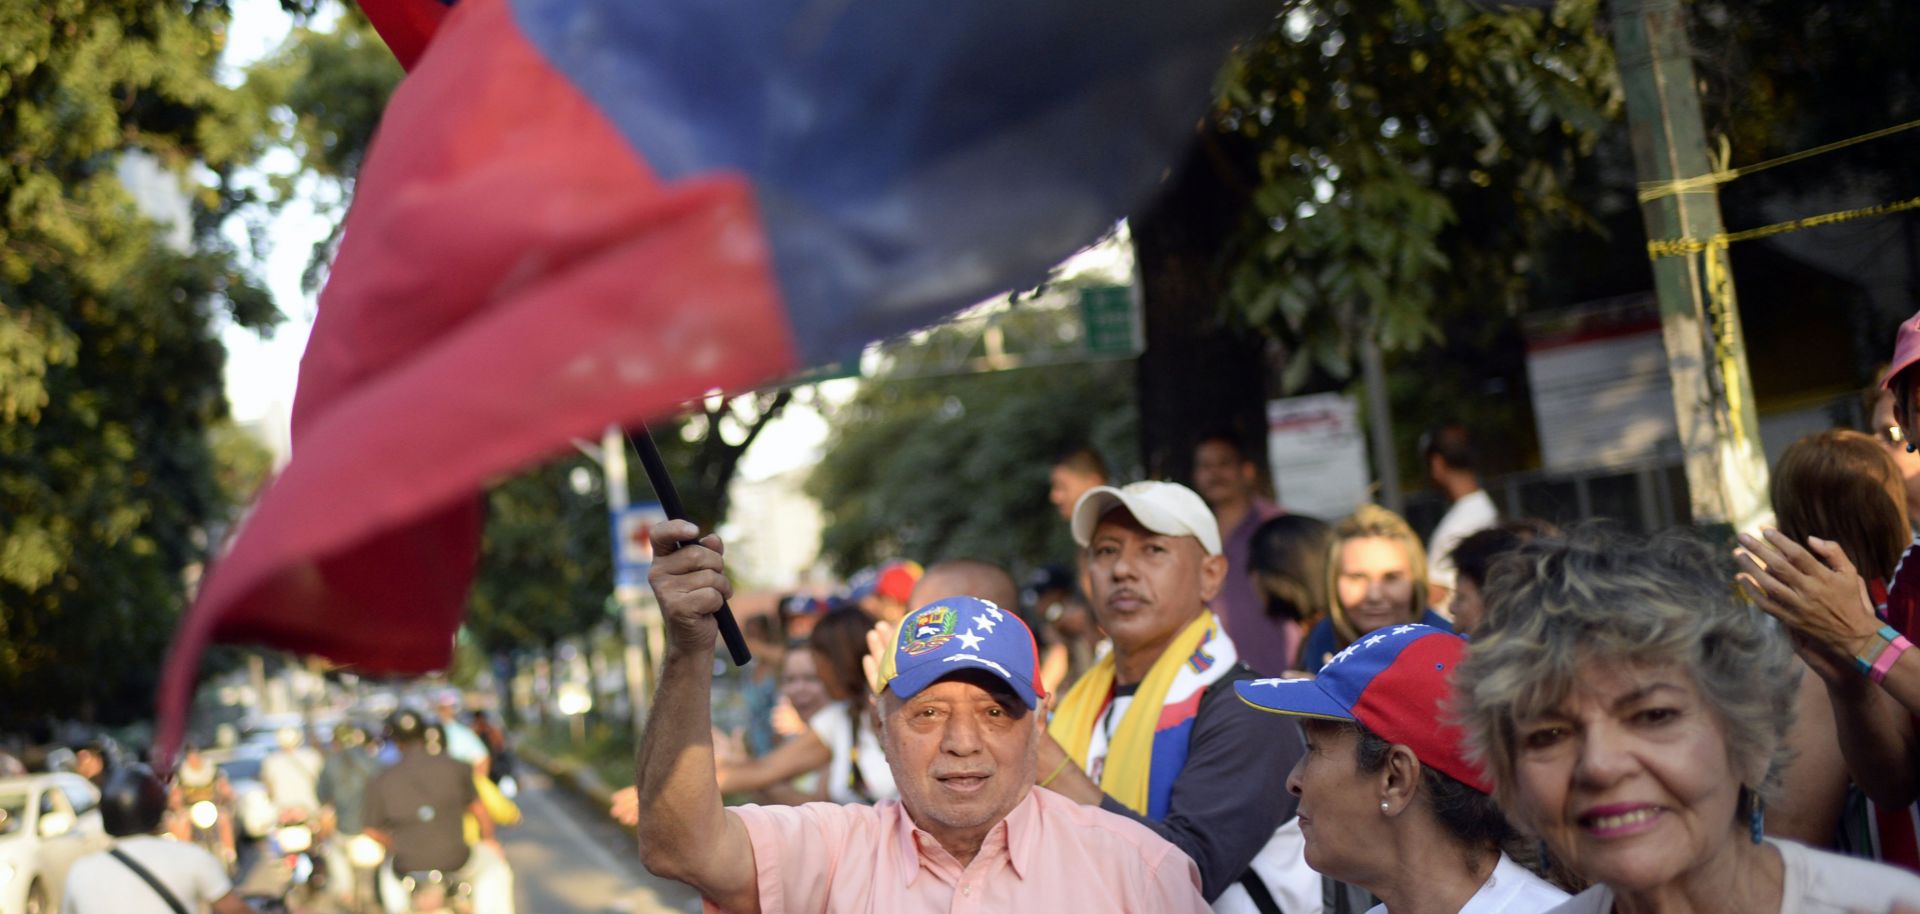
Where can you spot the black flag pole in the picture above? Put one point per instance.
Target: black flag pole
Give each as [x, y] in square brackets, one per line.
[670, 501]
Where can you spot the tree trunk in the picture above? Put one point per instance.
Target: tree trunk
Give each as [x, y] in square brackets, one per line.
[1199, 374]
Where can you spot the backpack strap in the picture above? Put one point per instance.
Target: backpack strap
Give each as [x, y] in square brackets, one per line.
[158, 887]
[1263, 900]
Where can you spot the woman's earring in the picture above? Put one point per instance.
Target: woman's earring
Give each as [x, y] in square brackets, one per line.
[1384, 806]
[1756, 814]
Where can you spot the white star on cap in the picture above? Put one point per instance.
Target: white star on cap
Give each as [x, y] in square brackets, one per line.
[1376, 639]
[970, 641]
[993, 610]
[1403, 629]
[1267, 682]
[983, 624]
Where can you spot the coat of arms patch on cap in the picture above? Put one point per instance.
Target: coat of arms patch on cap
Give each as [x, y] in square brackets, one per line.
[929, 629]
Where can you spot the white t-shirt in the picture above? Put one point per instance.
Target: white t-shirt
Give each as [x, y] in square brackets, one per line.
[1473, 513]
[100, 884]
[1816, 882]
[291, 777]
[834, 725]
[1509, 889]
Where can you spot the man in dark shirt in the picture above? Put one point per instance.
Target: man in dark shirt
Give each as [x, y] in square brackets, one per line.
[414, 808]
[1155, 731]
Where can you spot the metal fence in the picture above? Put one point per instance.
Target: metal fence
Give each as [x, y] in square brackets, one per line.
[1642, 497]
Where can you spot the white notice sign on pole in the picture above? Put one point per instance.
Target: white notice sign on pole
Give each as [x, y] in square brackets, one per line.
[1318, 454]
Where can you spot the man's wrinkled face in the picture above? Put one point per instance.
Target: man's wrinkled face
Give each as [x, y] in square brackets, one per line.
[964, 752]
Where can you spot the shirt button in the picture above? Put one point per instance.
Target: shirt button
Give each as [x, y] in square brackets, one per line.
[966, 890]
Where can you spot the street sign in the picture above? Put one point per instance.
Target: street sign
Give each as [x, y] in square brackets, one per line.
[1110, 321]
[632, 551]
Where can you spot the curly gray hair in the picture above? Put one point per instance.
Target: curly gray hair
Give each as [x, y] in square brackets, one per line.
[1599, 596]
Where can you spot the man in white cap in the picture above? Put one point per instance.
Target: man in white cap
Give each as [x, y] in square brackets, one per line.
[959, 719]
[1153, 731]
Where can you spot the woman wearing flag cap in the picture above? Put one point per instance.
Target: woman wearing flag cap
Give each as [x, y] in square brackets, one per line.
[1388, 799]
[1632, 710]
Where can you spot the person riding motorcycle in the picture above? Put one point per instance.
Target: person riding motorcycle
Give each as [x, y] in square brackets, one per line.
[144, 871]
[198, 780]
[414, 809]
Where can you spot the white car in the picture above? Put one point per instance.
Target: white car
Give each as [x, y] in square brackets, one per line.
[47, 821]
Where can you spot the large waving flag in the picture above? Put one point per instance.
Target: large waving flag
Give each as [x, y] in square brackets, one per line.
[587, 211]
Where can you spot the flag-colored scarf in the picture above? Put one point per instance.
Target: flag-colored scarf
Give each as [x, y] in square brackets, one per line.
[1149, 746]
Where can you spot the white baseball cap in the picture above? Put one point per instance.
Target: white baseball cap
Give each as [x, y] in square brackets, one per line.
[1166, 508]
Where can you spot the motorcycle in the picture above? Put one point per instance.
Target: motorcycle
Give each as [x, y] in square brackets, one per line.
[364, 856]
[293, 842]
[204, 818]
[290, 866]
[437, 892]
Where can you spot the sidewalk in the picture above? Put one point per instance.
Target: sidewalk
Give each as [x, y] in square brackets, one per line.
[577, 777]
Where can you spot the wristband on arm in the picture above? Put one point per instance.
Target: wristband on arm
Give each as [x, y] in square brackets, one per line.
[1892, 645]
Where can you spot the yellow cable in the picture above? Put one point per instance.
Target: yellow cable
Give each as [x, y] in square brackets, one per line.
[1718, 273]
[1654, 190]
[1681, 247]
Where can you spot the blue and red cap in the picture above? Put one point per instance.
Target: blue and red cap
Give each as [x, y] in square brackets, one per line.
[861, 585]
[1395, 681]
[963, 633]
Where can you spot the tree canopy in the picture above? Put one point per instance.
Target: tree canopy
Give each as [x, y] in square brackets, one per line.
[1410, 157]
[110, 370]
[956, 467]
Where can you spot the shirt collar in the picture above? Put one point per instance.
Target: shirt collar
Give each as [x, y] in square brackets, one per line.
[1019, 833]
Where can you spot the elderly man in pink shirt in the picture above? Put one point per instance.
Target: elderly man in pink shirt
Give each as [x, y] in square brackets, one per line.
[961, 725]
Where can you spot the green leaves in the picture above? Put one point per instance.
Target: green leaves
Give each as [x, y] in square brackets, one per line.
[1399, 142]
[110, 373]
[956, 467]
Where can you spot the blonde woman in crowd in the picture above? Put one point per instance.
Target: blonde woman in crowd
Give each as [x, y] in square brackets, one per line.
[1376, 577]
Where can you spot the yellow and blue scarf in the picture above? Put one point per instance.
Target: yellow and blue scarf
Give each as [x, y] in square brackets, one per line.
[1149, 747]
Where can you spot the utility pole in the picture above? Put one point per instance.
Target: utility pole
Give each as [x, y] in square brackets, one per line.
[1386, 463]
[1706, 352]
[630, 596]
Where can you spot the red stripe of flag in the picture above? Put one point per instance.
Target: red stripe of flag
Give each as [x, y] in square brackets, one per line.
[498, 291]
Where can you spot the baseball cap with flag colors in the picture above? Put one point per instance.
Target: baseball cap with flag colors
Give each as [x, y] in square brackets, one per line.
[962, 633]
[1395, 681]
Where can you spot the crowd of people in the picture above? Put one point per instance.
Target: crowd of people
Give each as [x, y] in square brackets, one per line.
[1221, 706]
[1225, 706]
[422, 788]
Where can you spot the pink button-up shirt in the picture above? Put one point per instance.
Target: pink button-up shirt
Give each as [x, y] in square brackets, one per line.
[1050, 855]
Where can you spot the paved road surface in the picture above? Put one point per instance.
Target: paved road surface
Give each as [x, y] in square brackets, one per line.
[569, 859]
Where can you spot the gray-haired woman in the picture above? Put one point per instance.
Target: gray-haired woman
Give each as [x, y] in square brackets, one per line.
[1631, 710]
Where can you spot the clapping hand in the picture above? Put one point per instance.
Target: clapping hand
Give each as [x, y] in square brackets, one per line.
[1817, 594]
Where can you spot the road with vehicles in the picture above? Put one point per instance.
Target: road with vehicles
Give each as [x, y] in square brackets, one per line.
[569, 858]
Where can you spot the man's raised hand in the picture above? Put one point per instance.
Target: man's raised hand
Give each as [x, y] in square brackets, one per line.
[689, 580]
